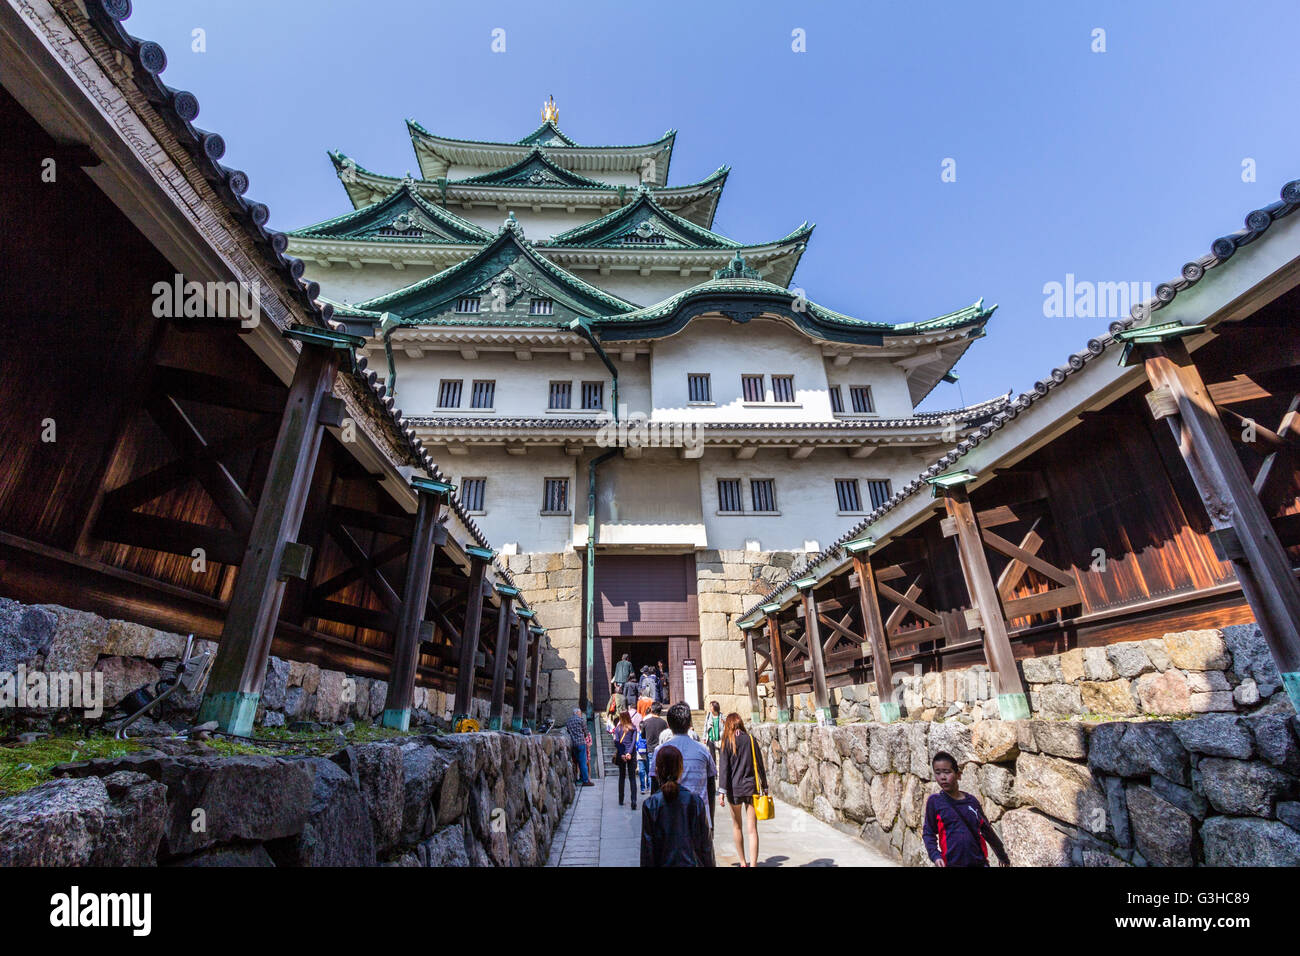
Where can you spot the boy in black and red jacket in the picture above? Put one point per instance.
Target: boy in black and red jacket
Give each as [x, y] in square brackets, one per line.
[956, 831]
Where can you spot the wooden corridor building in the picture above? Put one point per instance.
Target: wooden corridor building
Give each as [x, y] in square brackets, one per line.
[1148, 485]
[189, 442]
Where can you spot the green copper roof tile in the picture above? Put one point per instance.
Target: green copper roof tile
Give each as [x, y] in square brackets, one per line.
[666, 138]
[534, 171]
[508, 262]
[640, 223]
[402, 216]
[545, 135]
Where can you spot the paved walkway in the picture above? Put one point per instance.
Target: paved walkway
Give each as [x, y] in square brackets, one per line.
[596, 831]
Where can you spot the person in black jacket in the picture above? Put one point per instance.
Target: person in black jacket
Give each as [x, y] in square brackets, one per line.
[740, 774]
[674, 822]
[625, 737]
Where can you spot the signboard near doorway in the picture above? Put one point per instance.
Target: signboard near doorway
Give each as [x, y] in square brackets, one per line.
[691, 683]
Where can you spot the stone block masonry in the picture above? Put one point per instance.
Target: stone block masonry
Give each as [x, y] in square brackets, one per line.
[50, 638]
[1218, 790]
[485, 799]
[1226, 670]
[726, 583]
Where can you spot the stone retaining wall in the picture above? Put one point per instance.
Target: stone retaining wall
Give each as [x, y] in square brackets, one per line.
[1220, 790]
[1189, 672]
[48, 638]
[727, 583]
[487, 799]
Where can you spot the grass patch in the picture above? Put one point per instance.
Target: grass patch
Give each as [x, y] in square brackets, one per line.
[24, 766]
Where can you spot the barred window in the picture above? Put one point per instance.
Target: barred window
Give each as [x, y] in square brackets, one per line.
[729, 494]
[861, 396]
[593, 395]
[449, 393]
[471, 493]
[561, 395]
[484, 394]
[837, 400]
[752, 386]
[555, 497]
[541, 307]
[467, 304]
[699, 388]
[763, 493]
[879, 491]
[783, 388]
[846, 492]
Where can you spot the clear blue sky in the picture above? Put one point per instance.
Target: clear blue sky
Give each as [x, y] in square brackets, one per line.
[1116, 167]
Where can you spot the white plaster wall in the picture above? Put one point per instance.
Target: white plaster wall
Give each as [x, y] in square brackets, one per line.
[523, 387]
[726, 351]
[513, 494]
[662, 500]
[630, 177]
[888, 385]
[805, 495]
[643, 290]
[538, 226]
[342, 283]
[649, 501]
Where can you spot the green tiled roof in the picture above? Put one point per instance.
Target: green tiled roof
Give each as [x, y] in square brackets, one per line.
[536, 171]
[667, 137]
[545, 135]
[403, 216]
[744, 298]
[510, 264]
[645, 219]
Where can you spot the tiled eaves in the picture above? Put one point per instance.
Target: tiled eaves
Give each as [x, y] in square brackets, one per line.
[472, 231]
[178, 109]
[413, 124]
[1221, 250]
[969, 415]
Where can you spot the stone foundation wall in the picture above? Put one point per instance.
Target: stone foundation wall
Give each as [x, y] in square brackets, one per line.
[1220, 790]
[1189, 672]
[552, 584]
[52, 639]
[487, 799]
[728, 583]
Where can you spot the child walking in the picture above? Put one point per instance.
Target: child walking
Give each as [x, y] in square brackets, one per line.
[956, 832]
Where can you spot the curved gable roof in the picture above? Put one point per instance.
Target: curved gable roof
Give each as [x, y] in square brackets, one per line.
[510, 264]
[403, 216]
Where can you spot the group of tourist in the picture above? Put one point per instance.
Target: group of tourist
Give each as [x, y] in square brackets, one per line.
[661, 757]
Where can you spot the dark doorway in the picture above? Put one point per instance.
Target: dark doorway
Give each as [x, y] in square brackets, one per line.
[642, 653]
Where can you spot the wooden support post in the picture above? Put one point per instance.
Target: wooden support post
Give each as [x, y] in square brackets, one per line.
[874, 626]
[813, 637]
[469, 637]
[505, 623]
[235, 684]
[1012, 702]
[1235, 511]
[534, 676]
[778, 670]
[415, 595]
[752, 672]
[521, 676]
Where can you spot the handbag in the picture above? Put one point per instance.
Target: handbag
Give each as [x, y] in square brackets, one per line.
[764, 807]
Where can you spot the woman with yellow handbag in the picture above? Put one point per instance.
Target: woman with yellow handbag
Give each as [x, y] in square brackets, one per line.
[742, 780]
